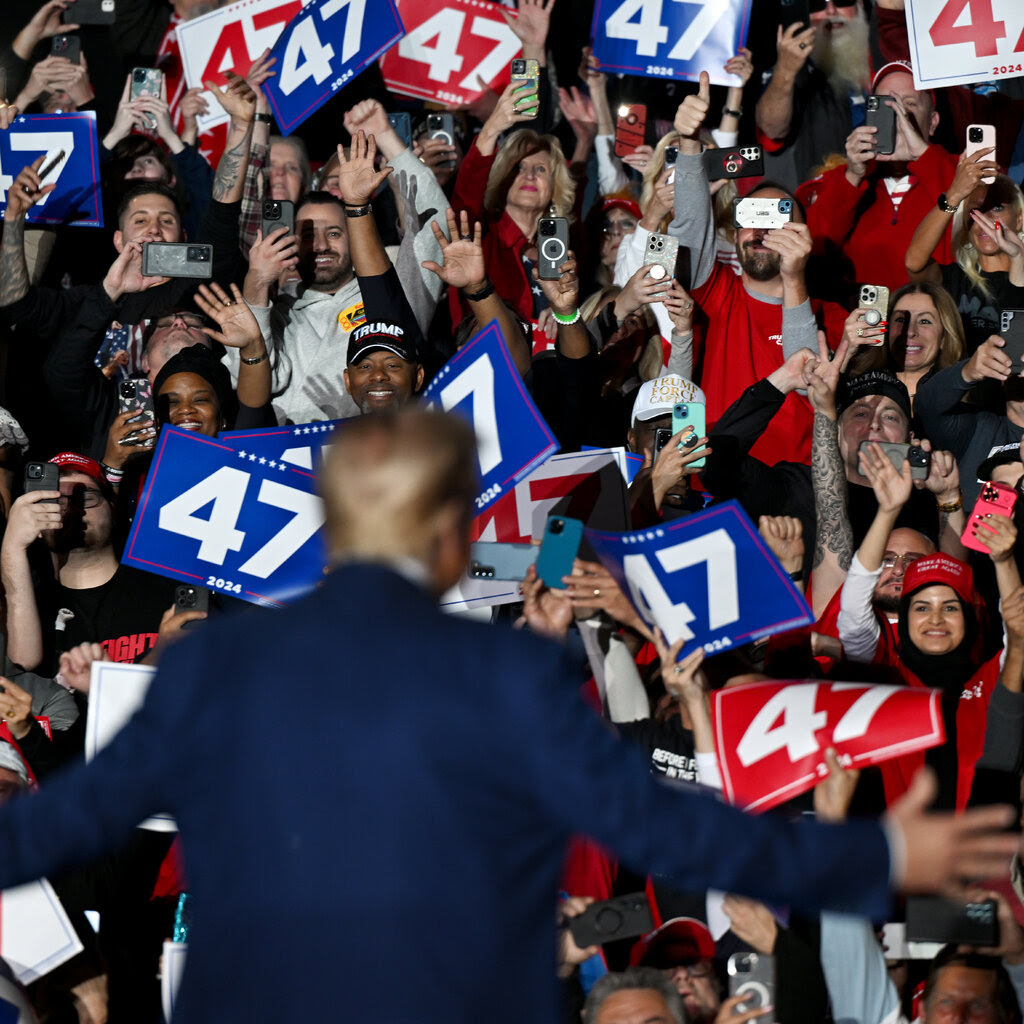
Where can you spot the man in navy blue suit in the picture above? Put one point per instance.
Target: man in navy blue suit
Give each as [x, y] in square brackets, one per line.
[374, 798]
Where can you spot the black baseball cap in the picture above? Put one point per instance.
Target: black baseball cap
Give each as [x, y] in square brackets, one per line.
[874, 382]
[382, 334]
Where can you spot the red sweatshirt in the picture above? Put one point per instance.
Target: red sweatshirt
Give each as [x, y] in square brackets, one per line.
[872, 233]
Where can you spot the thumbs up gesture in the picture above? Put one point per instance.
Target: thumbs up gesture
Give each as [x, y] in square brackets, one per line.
[694, 109]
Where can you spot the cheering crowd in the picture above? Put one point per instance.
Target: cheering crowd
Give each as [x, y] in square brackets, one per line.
[859, 362]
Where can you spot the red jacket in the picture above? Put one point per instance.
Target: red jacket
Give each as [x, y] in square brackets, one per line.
[862, 221]
[743, 344]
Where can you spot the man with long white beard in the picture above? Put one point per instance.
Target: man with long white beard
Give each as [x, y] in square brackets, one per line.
[815, 93]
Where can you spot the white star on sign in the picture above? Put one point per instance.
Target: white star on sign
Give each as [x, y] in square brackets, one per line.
[272, 464]
[242, 455]
[263, 461]
[252, 457]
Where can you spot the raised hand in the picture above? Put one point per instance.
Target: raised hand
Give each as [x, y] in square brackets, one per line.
[563, 293]
[270, 257]
[357, 178]
[531, 27]
[238, 326]
[462, 252]
[237, 98]
[25, 191]
[793, 45]
[784, 535]
[694, 109]
[969, 172]
[988, 361]
[892, 488]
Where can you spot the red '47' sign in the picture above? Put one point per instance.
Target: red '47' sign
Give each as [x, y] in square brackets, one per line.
[451, 51]
[771, 738]
[954, 42]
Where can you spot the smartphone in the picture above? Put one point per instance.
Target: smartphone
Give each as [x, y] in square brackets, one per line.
[526, 72]
[621, 917]
[878, 114]
[761, 213]
[177, 259]
[278, 213]
[874, 300]
[934, 919]
[662, 436]
[41, 476]
[995, 499]
[90, 12]
[752, 975]
[402, 124]
[690, 414]
[188, 598]
[67, 46]
[553, 250]
[1011, 330]
[745, 162]
[442, 126]
[558, 549]
[793, 11]
[671, 156]
[495, 561]
[136, 395]
[145, 82]
[900, 452]
[661, 252]
[630, 128]
[981, 136]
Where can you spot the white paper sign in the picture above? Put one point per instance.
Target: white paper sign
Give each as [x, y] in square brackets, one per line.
[116, 692]
[35, 933]
[230, 39]
[956, 42]
[587, 485]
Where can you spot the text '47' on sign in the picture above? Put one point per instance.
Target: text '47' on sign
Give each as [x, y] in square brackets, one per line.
[451, 52]
[480, 383]
[670, 38]
[955, 42]
[230, 520]
[67, 143]
[322, 49]
[707, 579]
[771, 737]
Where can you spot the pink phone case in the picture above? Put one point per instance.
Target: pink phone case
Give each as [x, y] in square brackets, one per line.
[995, 499]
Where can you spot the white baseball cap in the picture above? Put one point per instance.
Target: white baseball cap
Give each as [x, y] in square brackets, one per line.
[656, 397]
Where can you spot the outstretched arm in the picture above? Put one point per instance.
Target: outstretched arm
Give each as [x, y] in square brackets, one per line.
[239, 100]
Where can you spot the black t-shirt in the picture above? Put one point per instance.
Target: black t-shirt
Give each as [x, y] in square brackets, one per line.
[978, 311]
[123, 615]
[669, 743]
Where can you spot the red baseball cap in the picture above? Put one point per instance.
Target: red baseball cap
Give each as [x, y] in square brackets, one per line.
[610, 202]
[897, 65]
[80, 464]
[677, 941]
[933, 570]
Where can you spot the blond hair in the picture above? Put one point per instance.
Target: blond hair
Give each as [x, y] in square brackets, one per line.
[392, 480]
[965, 254]
[518, 147]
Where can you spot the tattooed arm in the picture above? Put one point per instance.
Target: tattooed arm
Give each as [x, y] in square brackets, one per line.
[239, 100]
[833, 545]
[21, 196]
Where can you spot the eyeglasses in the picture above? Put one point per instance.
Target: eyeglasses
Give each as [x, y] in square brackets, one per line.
[618, 227]
[192, 320]
[891, 561]
[87, 497]
[697, 969]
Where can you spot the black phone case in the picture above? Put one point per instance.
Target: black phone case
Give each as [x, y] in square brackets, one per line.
[286, 218]
[90, 12]
[735, 162]
[881, 116]
[621, 917]
[1011, 330]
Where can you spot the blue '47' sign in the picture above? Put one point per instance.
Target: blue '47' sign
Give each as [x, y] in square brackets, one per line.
[76, 173]
[480, 383]
[670, 38]
[229, 519]
[324, 47]
[708, 579]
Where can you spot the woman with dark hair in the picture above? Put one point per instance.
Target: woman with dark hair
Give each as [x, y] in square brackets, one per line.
[943, 639]
[192, 391]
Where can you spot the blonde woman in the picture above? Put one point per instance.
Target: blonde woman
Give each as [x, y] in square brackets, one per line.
[988, 273]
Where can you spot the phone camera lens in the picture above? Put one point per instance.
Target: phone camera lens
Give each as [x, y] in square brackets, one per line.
[139, 75]
[557, 526]
[785, 206]
[976, 135]
[35, 472]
